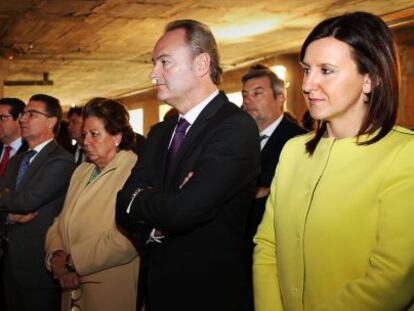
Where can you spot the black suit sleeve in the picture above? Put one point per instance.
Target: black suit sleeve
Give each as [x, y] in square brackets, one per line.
[51, 181]
[228, 161]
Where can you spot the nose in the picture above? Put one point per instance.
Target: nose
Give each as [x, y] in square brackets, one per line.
[86, 140]
[309, 83]
[246, 101]
[154, 74]
[22, 118]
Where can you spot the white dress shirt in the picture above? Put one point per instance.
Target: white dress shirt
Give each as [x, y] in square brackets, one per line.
[16, 144]
[268, 131]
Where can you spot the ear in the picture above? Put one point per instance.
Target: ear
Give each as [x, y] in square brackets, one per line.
[51, 123]
[367, 86]
[202, 64]
[281, 98]
[117, 138]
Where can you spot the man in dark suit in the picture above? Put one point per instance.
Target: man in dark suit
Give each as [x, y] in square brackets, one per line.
[32, 191]
[264, 95]
[75, 123]
[190, 195]
[11, 142]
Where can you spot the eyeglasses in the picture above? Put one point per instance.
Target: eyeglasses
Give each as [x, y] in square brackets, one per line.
[4, 117]
[31, 113]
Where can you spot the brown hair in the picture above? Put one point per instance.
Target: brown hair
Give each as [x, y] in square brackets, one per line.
[115, 117]
[375, 54]
[258, 71]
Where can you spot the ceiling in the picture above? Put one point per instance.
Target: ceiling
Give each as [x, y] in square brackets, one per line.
[103, 47]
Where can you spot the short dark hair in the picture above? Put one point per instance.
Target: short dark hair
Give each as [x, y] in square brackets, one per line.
[115, 118]
[258, 71]
[16, 106]
[375, 54]
[201, 40]
[53, 108]
[75, 110]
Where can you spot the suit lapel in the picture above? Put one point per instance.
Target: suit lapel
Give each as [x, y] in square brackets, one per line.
[39, 160]
[274, 140]
[196, 129]
[23, 147]
[164, 142]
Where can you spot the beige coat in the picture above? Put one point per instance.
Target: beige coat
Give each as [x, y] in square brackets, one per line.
[86, 230]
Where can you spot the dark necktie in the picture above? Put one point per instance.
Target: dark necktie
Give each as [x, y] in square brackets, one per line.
[79, 160]
[262, 137]
[176, 141]
[24, 166]
[5, 159]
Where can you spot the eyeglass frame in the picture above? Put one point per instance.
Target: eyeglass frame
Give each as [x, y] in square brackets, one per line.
[33, 112]
[4, 117]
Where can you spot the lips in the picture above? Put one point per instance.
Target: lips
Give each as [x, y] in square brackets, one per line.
[314, 101]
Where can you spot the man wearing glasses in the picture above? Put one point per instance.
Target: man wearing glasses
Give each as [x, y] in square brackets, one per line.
[10, 137]
[32, 191]
[11, 143]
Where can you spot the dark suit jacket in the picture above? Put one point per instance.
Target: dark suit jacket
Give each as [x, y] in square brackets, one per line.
[269, 158]
[43, 189]
[201, 263]
[3, 233]
[139, 144]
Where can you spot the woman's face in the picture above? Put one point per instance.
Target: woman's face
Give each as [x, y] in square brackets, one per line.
[99, 145]
[332, 86]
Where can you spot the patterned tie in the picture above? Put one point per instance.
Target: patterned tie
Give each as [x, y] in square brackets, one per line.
[176, 141]
[24, 166]
[262, 137]
[6, 156]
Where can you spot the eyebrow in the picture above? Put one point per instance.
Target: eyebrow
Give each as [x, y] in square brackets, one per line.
[158, 57]
[303, 64]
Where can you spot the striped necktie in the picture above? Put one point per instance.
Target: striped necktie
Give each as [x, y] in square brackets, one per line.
[24, 166]
[176, 141]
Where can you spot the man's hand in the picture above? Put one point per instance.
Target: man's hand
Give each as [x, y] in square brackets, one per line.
[22, 218]
[262, 192]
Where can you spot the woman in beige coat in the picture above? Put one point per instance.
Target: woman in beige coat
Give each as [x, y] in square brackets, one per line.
[96, 265]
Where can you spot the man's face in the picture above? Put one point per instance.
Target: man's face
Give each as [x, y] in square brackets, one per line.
[35, 123]
[9, 128]
[260, 103]
[172, 70]
[75, 126]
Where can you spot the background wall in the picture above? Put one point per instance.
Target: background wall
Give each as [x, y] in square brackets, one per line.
[295, 102]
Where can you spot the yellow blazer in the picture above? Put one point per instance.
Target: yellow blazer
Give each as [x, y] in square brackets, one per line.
[86, 230]
[338, 229]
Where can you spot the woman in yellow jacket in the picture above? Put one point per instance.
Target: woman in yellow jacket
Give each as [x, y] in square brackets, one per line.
[97, 266]
[338, 229]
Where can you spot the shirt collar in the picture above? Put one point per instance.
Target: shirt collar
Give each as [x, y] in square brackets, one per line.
[16, 144]
[268, 131]
[40, 146]
[193, 114]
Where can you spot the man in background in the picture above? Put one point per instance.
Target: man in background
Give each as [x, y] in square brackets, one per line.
[264, 96]
[11, 141]
[32, 191]
[75, 132]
